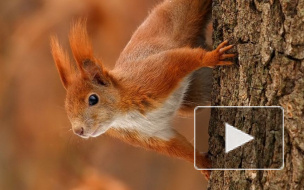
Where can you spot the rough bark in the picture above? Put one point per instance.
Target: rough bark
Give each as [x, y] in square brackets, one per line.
[269, 38]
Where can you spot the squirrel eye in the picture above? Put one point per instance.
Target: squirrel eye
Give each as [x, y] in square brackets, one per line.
[93, 99]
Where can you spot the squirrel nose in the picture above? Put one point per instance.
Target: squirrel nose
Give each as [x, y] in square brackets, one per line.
[78, 131]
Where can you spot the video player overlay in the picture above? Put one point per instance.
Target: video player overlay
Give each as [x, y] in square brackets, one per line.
[242, 137]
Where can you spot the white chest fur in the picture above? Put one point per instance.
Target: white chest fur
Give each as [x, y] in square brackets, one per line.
[156, 123]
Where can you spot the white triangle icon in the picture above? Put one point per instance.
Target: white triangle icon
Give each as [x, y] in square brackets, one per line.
[235, 138]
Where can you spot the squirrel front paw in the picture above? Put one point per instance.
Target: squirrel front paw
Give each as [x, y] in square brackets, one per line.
[217, 57]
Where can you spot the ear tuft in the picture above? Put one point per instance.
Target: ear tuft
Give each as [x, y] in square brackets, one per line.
[81, 46]
[62, 62]
[80, 43]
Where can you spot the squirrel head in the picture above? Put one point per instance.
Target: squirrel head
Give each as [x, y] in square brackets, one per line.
[92, 96]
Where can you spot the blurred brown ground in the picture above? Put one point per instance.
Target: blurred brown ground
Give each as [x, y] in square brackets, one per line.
[37, 147]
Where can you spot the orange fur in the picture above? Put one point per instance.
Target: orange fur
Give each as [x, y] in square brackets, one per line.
[160, 83]
[81, 44]
[177, 147]
[62, 62]
[160, 56]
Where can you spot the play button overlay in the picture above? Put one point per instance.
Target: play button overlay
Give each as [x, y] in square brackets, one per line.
[239, 137]
[235, 138]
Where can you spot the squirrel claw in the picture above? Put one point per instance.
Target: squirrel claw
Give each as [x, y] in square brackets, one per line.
[220, 56]
[225, 56]
[223, 44]
[224, 49]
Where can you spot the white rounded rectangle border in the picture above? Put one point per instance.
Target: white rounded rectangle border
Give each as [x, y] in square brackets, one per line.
[210, 107]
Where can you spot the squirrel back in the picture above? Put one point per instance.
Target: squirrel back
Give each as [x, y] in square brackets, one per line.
[174, 24]
[171, 24]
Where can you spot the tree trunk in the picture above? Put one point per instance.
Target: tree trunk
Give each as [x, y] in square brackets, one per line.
[269, 39]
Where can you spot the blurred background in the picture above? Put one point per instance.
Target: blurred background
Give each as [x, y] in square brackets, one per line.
[37, 148]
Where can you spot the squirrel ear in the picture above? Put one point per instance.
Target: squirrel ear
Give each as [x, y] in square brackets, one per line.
[82, 50]
[81, 44]
[95, 72]
[62, 62]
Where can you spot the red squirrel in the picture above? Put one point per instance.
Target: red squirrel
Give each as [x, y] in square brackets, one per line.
[136, 101]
